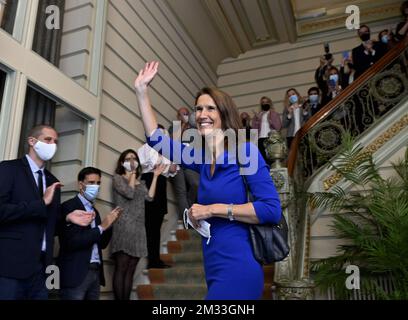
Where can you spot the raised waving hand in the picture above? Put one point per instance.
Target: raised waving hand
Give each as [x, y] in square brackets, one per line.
[143, 79]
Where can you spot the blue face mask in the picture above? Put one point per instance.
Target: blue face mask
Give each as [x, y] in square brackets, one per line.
[293, 99]
[384, 39]
[334, 77]
[314, 98]
[91, 192]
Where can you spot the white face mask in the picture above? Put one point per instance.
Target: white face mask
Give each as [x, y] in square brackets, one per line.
[128, 167]
[203, 229]
[45, 151]
[91, 192]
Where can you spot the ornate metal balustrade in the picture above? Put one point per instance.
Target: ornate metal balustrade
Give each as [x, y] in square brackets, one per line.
[356, 110]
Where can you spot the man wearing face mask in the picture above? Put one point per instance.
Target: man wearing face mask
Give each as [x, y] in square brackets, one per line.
[29, 218]
[367, 53]
[313, 102]
[80, 258]
[265, 121]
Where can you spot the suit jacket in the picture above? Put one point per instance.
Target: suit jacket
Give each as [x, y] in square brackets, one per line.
[23, 219]
[76, 244]
[362, 61]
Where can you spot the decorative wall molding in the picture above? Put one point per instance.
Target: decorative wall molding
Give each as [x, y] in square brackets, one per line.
[372, 147]
[367, 14]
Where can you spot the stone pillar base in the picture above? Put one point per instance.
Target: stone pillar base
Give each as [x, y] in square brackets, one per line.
[295, 290]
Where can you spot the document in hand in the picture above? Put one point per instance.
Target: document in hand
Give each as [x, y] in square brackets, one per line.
[203, 229]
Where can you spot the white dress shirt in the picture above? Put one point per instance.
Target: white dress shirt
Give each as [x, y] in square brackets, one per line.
[149, 158]
[34, 168]
[89, 208]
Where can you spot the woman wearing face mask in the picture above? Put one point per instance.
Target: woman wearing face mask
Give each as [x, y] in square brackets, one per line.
[333, 86]
[265, 121]
[231, 270]
[293, 115]
[386, 37]
[129, 236]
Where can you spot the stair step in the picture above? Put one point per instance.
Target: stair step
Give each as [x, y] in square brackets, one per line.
[183, 258]
[183, 246]
[181, 292]
[184, 234]
[172, 292]
[179, 275]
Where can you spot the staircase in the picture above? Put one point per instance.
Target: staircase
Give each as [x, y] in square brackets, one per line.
[186, 279]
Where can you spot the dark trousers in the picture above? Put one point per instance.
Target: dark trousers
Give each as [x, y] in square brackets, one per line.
[32, 288]
[153, 222]
[89, 289]
[185, 184]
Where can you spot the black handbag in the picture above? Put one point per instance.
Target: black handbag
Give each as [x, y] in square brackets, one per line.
[269, 241]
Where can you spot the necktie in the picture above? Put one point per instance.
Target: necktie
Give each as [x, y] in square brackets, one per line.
[40, 183]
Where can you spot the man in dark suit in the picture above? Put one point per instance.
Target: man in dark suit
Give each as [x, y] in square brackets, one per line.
[80, 258]
[312, 102]
[29, 216]
[367, 53]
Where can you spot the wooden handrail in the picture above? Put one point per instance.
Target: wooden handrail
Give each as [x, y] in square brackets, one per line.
[342, 97]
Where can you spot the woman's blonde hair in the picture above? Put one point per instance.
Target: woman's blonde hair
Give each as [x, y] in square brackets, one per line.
[286, 98]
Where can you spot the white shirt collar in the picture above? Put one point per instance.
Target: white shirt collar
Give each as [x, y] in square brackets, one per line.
[33, 166]
[85, 201]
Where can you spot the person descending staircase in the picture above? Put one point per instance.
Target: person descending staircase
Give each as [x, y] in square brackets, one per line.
[186, 279]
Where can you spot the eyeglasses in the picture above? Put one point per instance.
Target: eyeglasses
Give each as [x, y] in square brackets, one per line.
[209, 109]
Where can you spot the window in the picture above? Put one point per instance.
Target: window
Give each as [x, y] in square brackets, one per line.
[63, 36]
[8, 12]
[35, 91]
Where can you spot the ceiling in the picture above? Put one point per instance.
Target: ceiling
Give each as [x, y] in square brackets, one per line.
[228, 28]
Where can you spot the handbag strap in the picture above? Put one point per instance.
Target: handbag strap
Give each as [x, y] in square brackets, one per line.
[250, 198]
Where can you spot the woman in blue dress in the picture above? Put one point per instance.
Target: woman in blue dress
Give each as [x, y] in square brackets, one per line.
[231, 270]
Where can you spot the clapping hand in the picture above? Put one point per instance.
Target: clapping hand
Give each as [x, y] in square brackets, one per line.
[80, 217]
[50, 191]
[111, 218]
[158, 170]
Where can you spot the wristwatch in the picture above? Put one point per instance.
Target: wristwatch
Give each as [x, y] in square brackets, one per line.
[230, 215]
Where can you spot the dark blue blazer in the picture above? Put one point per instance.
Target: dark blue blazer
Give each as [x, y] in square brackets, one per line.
[76, 245]
[23, 219]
